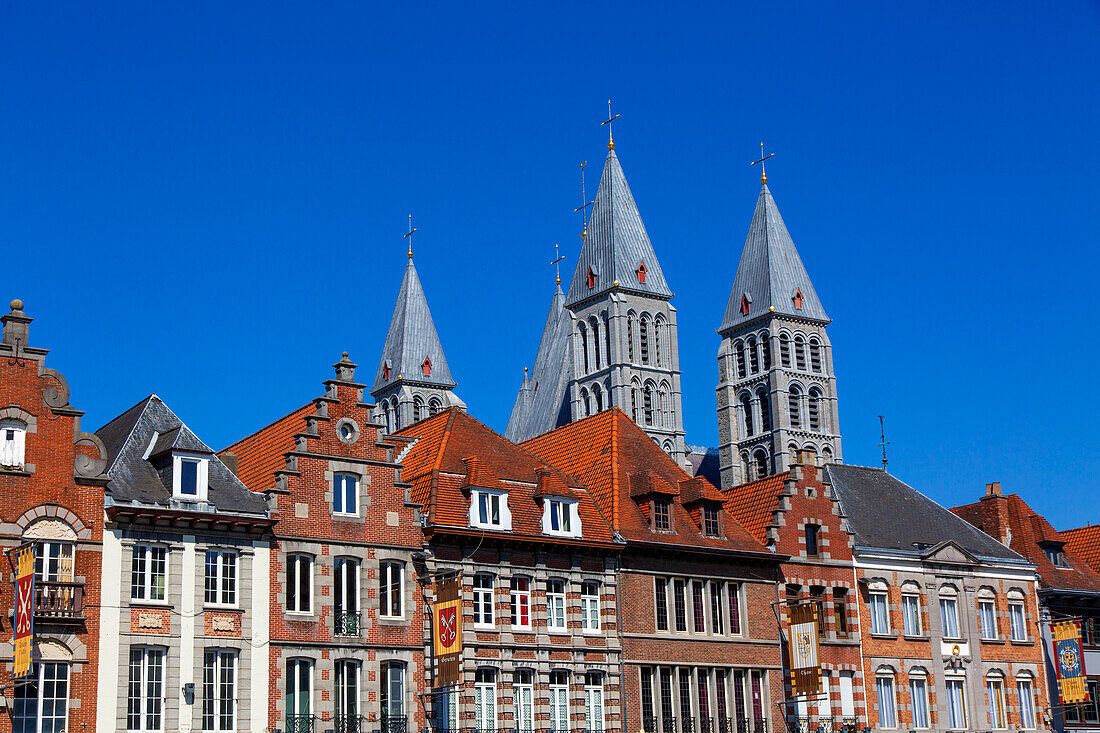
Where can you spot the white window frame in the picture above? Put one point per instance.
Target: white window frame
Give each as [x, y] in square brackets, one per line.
[221, 671]
[910, 602]
[880, 624]
[594, 709]
[484, 600]
[915, 679]
[590, 607]
[998, 711]
[485, 699]
[565, 512]
[386, 569]
[54, 552]
[555, 605]
[519, 597]
[141, 570]
[504, 516]
[38, 672]
[13, 444]
[346, 692]
[340, 494]
[386, 670]
[949, 681]
[987, 618]
[202, 477]
[1025, 690]
[949, 613]
[523, 700]
[892, 701]
[559, 702]
[148, 704]
[223, 584]
[293, 681]
[303, 602]
[1017, 620]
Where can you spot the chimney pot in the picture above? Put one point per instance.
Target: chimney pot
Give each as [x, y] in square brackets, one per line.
[993, 489]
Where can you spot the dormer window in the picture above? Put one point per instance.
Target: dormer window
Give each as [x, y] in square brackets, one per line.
[1055, 554]
[797, 299]
[641, 272]
[190, 475]
[489, 510]
[710, 521]
[560, 517]
[13, 435]
[426, 367]
[662, 515]
[385, 370]
[591, 278]
[746, 303]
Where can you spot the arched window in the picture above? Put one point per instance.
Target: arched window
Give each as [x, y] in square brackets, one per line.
[647, 404]
[826, 455]
[666, 405]
[765, 410]
[658, 326]
[434, 405]
[668, 447]
[792, 454]
[746, 408]
[387, 414]
[418, 408]
[634, 402]
[799, 353]
[794, 399]
[597, 397]
[630, 336]
[815, 355]
[814, 408]
[595, 340]
[607, 391]
[760, 463]
[745, 467]
[739, 350]
[766, 349]
[584, 344]
[586, 402]
[754, 358]
[643, 339]
[396, 414]
[606, 338]
[785, 350]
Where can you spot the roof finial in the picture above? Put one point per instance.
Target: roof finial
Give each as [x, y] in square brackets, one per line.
[409, 236]
[763, 173]
[885, 442]
[610, 118]
[585, 203]
[557, 278]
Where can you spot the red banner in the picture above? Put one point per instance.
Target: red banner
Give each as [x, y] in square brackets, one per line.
[24, 611]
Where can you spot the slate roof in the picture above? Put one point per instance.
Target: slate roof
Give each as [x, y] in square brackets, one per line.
[1026, 530]
[412, 338]
[1084, 542]
[616, 242]
[886, 513]
[617, 461]
[263, 453]
[135, 479]
[453, 451]
[542, 403]
[753, 503]
[770, 271]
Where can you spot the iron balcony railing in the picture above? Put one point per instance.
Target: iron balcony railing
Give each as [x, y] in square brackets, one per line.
[348, 723]
[672, 724]
[299, 723]
[346, 623]
[393, 724]
[58, 602]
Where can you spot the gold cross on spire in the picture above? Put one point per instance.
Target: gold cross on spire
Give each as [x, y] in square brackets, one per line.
[409, 236]
[585, 203]
[763, 173]
[557, 258]
[610, 118]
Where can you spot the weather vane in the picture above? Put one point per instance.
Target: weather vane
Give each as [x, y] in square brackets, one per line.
[557, 258]
[585, 203]
[610, 118]
[885, 442]
[410, 235]
[763, 173]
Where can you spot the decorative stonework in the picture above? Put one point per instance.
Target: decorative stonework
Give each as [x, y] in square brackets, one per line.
[151, 621]
[222, 624]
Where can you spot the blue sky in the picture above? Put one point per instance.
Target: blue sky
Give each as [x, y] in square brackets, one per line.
[207, 202]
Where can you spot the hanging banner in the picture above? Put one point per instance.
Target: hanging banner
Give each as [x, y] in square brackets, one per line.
[447, 613]
[24, 611]
[805, 668]
[1069, 662]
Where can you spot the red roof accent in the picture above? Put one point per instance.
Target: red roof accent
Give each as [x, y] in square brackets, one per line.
[611, 455]
[1084, 542]
[753, 503]
[744, 305]
[261, 454]
[698, 489]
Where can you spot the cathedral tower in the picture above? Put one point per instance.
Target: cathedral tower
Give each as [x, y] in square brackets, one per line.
[776, 386]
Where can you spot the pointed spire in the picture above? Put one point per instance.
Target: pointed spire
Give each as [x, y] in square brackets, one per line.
[770, 276]
[412, 352]
[547, 386]
[616, 244]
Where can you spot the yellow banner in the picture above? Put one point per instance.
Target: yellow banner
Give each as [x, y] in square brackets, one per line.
[24, 611]
[1069, 662]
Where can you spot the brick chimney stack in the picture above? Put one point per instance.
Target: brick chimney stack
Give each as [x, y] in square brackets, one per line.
[16, 325]
[993, 489]
[995, 513]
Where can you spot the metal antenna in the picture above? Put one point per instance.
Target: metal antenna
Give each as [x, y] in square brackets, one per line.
[585, 203]
[409, 236]
[885, 442]
[610, 118]
[763, 173]
[558, 258]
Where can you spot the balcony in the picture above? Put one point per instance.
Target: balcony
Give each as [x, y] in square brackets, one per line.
[393, 724]
[346, 623]
[348, 724]
[670, 724]
[59, 603]
[299, 724]
[822, 725]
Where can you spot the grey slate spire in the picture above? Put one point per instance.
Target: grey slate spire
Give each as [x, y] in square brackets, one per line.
[413, 379]
[616, 244]
[770, 273]
[543, 401]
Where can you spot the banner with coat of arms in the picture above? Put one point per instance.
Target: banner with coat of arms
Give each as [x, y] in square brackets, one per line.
[805, 667]
[447, 618]
[1069, 662]
[24, 611]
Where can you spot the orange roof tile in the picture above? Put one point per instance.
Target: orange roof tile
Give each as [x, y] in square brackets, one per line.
[261, 454]
[1084, 542]
[754, 502]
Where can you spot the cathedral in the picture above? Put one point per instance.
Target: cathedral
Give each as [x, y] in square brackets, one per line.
[611, 340]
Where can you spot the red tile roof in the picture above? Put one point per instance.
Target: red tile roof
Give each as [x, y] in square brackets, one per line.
[1084, 542]
[754, 502]
[452, 451]
[617, 461]
[1025, 531]
[261, 454]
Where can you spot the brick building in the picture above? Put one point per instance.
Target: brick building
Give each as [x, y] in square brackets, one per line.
[1068, 588]
[51, 494]
[346, 615]
[186, 570]
[537, 564]
[701, 651]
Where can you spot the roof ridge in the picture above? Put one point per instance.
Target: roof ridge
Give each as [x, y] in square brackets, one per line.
[133, 425]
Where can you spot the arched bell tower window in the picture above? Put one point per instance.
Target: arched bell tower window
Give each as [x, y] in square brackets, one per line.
[766, 350]
[745, 467]
[586, 402]
[418, 408]
[434, 406]
[647, 404]
[583, 332]
[606, 337]
[813, 406]
[815, 356]
[760, 463]
[597, 397]
[595, 324]
[644, 339]
[765, 410]
[658, 327]
[794, 398]
[630, 337]
[739, 351]
[746, 408]
[799, 353]
[785, 350]
[754, 358]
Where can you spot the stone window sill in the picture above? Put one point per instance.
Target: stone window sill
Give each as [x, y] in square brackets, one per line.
[915, 637]
[1023, 642]
[886, 635]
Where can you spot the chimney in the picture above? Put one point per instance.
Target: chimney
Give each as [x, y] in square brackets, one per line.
[229, 460]
[16, 325]
[993, 489]
[345, 370]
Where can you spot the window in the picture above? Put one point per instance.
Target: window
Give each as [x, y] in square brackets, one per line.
[667, 712]
[699, 615]
[799, 354]
[716, 625]
[880, 615]
[345, 492]
[558, 517]
[797, 299]
[765, 410]
[590, 606]
[53, 562]
[1017, 620]
[647, 404]
[583, 333]
[13, 437]
[426, 367]
[630, 336]
[607, 342]
[1088, 712]
[555, 605]
[520, 603]
[347, 695]
[660, 595]
[785, 350]
[148, 573]
[485, 699]
[643, 339]
[840, 610]
[483, 599]
[918, 694]
[812, 531]
[710, 521]
[649, 718]
[658, 326]
[815, 356]
[145, 696]
[754, 358]
[685, 693]
[987, 618]
[813, 405]
[794, 397]
[739, 352]
[346, 596]
[489, 510]
[949, 613]
[735, 608]
[887, 712]
[995, 692]
[41, 703]
[910, 612]
[1027, 702]
[760, 461]
[392, 694]
[956, 703]
[593, 702]
[190, 477]
[418, 408]
[746, 412]
[1055, 554]
[219, 690]
[221, 578]
[299, 583]
[299, 695]
[591, 278]
[434, 405]
[391, 589]
[595, 340]
[679, 588]
[559, 701]
[766, 350]
[523, 699]
[662, 515]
